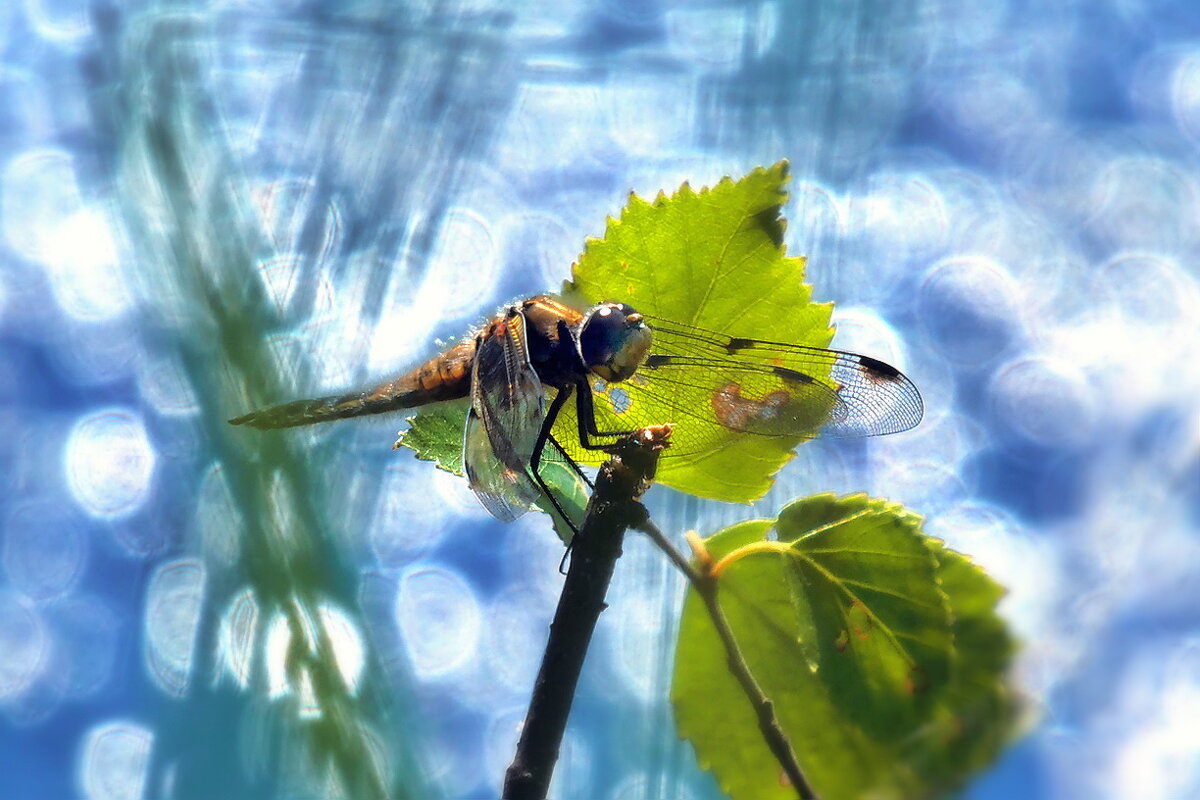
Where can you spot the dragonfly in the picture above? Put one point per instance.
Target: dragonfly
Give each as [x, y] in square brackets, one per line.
[522, 368]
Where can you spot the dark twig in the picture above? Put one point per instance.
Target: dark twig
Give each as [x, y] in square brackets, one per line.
[706, 585]
[612, 509]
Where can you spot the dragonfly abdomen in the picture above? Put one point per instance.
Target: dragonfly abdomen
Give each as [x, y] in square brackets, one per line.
[444, 377]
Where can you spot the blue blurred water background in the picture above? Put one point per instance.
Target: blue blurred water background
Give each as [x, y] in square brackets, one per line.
[1001, 197]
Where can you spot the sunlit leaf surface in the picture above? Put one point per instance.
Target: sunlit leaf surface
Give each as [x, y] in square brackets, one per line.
[713, 259]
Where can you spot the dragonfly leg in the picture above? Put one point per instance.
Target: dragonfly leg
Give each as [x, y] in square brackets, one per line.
[535, 461]
[585, 413]
[570, 461]
[554, 502]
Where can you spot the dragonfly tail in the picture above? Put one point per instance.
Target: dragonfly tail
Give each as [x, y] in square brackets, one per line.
[321, 409]
[443, 378]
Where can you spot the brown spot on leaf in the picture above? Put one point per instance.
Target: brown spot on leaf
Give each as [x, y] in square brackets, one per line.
[916, 682]
[860, 620]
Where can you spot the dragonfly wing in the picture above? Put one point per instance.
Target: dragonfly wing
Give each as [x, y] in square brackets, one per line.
[870, 397]
[501, 490]
[728, 384]
[743, 397]
[508, 405]
[876, 398]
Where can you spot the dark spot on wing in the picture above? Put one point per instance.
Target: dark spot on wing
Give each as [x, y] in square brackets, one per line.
[735, 344]
[879, 368]
[792, 375]
[655, 361]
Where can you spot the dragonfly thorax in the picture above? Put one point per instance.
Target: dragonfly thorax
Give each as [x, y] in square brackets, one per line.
[614, 341]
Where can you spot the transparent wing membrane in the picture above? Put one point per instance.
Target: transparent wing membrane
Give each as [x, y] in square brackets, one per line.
[508, 406]
[715, 387]
[853, 395]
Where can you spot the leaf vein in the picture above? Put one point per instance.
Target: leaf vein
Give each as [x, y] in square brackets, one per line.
[878, 589]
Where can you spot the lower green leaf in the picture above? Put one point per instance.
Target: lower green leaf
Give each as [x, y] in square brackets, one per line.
[977, 716]
[711, 711]
[865, 583]
[879, 647]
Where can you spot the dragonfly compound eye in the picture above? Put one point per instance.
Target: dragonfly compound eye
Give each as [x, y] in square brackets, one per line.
[614, 341]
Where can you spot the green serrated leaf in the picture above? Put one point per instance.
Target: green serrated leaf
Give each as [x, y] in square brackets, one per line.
[879, 647]
[711, 711]
[436, 434]
[865, 581]
[715, 259]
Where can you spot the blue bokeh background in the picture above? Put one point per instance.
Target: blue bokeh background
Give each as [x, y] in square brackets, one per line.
[1001, 197]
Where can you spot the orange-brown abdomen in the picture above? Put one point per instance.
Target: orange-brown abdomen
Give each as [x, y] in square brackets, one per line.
[446, 376]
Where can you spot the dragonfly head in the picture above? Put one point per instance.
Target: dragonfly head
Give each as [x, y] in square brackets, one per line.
[614, 341]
